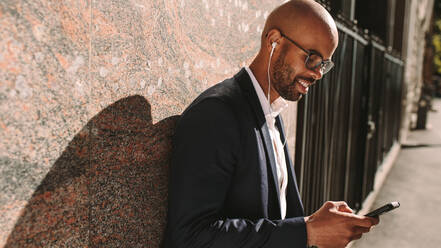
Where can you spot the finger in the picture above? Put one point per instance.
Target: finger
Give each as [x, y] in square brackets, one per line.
[358, 236]
[357, 220]
[330, 205]
[337, 205]
[364, 221]
[375, 220]
[345, 208]
[360, 229]
[340, 203]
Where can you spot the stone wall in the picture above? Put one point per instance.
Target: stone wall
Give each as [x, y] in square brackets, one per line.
[417, 23]
[89, 95]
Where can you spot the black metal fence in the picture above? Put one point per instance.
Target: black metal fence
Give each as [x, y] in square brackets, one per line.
[348, 122]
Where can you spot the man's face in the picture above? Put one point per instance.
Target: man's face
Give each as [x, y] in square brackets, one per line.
[291, 79]
[287, 81]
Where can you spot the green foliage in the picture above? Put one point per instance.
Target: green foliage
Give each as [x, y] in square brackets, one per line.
[436, 41]
[436, 38]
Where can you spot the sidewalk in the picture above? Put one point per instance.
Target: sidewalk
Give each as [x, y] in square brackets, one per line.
[414, 181]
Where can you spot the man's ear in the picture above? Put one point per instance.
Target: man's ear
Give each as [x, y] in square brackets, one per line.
[272, 36]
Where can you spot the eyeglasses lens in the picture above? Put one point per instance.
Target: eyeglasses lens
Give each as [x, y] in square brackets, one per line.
[327, 66]
[313, 61]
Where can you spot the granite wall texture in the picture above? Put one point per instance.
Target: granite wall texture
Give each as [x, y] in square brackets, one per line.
[90, 91]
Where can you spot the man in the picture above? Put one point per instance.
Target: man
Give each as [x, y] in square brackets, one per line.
[232, 183]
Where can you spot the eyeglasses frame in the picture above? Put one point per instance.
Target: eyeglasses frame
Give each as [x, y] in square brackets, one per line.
[321, 64]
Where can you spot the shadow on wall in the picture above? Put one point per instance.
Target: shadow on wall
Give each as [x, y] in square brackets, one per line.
[108, 188]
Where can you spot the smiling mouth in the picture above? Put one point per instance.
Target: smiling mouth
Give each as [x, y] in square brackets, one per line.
[304, 85]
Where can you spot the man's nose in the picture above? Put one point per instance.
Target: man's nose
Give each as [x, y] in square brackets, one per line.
[317, 73]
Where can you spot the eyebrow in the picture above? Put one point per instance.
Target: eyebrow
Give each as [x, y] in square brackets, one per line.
[315, 51]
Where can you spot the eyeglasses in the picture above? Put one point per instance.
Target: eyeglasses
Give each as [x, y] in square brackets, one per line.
[314, 59]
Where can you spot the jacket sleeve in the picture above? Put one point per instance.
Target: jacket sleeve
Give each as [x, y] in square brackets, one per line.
[206, 148]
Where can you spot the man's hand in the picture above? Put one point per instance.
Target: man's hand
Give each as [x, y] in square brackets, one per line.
[334, 225]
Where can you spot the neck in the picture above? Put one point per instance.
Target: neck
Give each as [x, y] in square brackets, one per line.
[259, 67]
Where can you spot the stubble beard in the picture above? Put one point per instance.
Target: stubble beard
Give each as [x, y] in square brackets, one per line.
[284, 80]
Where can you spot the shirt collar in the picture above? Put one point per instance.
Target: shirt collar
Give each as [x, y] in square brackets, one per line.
[276, 107]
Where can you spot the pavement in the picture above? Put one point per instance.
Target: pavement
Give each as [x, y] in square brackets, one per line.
[414, 181]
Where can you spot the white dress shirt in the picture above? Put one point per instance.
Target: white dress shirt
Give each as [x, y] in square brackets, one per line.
[271, 112]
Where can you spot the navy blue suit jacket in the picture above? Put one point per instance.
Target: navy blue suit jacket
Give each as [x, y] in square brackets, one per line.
[223, 183]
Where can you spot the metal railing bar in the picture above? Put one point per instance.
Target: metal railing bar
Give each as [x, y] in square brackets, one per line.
[352, 33]
[394, 59]
[351, 112]
[325, 140]
[334, 123]
[378, 46]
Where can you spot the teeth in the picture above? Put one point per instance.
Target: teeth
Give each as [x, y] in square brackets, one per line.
[304, 84]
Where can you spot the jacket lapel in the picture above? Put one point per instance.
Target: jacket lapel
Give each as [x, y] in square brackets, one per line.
[250, 94]
[294, 203]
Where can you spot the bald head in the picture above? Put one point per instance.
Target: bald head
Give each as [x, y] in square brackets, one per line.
[302, 19]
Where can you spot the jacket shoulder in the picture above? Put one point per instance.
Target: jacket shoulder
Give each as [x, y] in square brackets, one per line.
[227, 92]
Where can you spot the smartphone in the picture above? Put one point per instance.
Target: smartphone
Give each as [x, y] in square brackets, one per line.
[384, 209]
